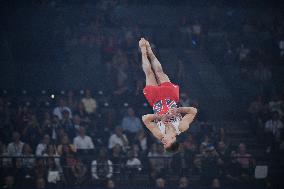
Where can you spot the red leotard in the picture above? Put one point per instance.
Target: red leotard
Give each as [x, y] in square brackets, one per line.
[163, 92]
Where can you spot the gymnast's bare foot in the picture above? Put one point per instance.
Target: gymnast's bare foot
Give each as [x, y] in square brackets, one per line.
[149, 50]
[143, 46]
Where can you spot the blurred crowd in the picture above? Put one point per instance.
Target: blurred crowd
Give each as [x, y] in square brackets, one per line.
[82, 141]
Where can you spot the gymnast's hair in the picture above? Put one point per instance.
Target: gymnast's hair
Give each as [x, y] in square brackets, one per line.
[174, 148]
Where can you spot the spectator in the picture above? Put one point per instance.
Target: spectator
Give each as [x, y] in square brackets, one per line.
[80, 173]
[183, 182]
[65, 141]
[77, 122]
[67, 124]
[256, 106]
[71, 100]
[32, 131]
[233, 171]
[68, 161]
[142, 140]
[133, 163]
[120, 94]
[223, 151]
[89, 102]
[42, 147]
[130, 123]
[51, 126]
[244, 158]
[190, 144]
[255, 111]
[82, 113]
[273, 130]
[19, 173]
[51, 152]
[39, 170]
[210, 165]
[58, 111]
[276, 105]
[136, 150]
[102, 168]
[46, 123]
[82, 141]
[274, 125]
[205, 143]
[27, 152]
[118, 138]
[160, 183]
[53, 171]
[116, 158]
[15, 148]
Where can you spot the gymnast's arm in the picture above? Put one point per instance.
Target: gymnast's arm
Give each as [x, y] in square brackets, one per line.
[148, 121]
[190, 113]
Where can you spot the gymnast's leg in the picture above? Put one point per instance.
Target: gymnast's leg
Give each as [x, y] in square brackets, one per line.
[150, 76]
[156, 65]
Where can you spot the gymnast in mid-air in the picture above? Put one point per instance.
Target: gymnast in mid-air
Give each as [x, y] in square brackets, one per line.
[168, 120]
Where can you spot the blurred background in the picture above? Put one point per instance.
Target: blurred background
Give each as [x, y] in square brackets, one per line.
[71, 93]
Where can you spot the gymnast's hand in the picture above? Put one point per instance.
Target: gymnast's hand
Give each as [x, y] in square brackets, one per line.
[173, 112]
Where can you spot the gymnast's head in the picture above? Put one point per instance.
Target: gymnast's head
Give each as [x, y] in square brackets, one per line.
[172, 147]
[170, 143]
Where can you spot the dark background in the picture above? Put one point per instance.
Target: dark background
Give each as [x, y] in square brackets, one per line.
[226, 57]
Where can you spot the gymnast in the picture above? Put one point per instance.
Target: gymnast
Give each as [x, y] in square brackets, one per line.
[168, 120]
